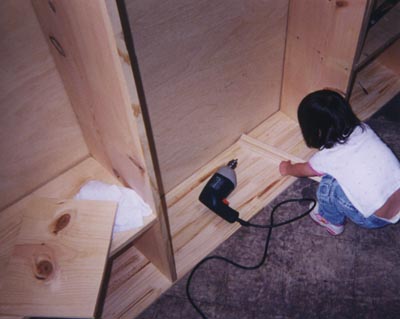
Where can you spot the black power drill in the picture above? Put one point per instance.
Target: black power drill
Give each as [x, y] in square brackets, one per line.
[217, 189]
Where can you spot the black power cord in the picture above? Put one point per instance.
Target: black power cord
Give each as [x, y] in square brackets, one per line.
[269, 226]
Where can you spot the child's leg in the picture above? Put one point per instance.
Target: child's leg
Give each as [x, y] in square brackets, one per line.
[327, 201]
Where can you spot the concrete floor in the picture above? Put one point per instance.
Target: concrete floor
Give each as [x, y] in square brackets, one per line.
[308, 273]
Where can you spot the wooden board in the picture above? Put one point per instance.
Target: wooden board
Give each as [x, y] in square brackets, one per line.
[93, 78]
[40, 137]
[284, 133]
[321, 44]
[57, 265]
[64, 186]
[156, 243]
[211, 71]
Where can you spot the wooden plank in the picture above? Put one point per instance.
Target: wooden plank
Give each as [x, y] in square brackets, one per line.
[273, 153]
[321, 45]
[161, 253]
[93, 78]
[57, 265]
[64, 186]
[40, 137]
[211, 71]
[284, 133]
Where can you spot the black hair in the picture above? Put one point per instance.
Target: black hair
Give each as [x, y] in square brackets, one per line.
[325, 119]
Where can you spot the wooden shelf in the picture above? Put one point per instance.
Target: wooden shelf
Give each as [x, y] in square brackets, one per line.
[65, 186]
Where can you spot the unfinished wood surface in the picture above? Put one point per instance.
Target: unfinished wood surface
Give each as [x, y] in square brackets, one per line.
[162, 253]
[282, 132]
[374, 86]
[89, 66]
[58, 260]
[40, 137]
[211, 71]
[134, 284]
[321, 44]
[378, 38]
[66, 185]
[390, 58]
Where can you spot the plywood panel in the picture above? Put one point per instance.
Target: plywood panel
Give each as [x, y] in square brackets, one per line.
[39, 136]
[58, 260]
[321, 45]
[211, 70]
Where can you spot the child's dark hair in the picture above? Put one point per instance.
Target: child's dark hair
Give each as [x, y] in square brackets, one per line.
[326, 118]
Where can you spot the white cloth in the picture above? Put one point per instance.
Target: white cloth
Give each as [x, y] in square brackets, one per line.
[131, 207]
[365, 168]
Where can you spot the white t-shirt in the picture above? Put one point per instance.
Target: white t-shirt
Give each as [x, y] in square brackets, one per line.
[365, 168]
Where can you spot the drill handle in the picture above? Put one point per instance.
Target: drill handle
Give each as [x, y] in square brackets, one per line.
[209, 198]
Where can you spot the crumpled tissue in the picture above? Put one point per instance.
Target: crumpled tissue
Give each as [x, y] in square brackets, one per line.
[131, 207]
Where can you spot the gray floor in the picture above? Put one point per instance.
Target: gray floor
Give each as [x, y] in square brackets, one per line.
[308, 273]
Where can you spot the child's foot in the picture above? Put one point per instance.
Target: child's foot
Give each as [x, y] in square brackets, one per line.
[331, 228]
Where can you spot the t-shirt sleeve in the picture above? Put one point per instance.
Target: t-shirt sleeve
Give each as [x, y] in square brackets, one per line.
[317, 162]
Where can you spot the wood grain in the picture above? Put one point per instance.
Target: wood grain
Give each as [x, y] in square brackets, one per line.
[93, 78]
[156, 243]
[64, 186]
[58, 260]
[321, 44]
[40, 137]
[211, 71]
[374, 86]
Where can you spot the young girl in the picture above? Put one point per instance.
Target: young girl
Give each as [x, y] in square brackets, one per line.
[360, 174]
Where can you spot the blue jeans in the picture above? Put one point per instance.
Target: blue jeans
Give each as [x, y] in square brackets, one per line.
[335, 207]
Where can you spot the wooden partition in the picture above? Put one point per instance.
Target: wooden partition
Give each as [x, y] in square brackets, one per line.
[211, 71]
[40, 136]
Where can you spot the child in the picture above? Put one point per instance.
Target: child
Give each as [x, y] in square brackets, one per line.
[360, 174]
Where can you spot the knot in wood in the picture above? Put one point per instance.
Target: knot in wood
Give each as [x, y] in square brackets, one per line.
[62, 222]
[44, 269]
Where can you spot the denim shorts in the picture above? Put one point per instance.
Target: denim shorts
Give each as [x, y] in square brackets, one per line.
[335, 207]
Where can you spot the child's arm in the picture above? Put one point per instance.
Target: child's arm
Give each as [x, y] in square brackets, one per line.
[297, 170]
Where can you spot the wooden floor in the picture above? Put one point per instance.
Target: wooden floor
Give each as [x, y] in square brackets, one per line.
[132, 289]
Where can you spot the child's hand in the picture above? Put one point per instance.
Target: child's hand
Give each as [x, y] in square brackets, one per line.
[284, 167]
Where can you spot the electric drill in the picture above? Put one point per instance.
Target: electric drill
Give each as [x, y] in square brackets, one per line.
[217, 189]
